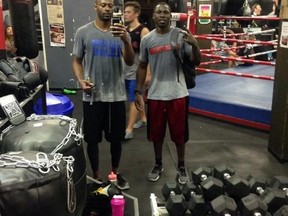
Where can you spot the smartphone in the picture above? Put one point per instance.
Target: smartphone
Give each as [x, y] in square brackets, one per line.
[115, 20]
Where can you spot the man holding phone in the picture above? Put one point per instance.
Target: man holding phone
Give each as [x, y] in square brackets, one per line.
[97, 65]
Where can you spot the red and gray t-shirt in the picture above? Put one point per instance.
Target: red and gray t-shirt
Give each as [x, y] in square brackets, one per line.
[157, 50]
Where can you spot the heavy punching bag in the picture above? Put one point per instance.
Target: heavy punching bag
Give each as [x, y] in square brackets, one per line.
[34, 183]
[24, 27]
[51, 134]
[2, 35]
[245, 10]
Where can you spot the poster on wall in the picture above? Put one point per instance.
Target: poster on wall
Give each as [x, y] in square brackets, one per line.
[284, 35]
[56, 22]
[204, 11]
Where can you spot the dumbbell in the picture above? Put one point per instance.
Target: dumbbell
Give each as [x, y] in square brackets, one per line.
[223, 205]
[196, 202]
[210, 186]
[252, 205]
[283, 211]
[280, 182]
[175, 201]
[235, 186]
[274, 198]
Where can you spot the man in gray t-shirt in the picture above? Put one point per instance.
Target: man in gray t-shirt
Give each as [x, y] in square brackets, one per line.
[97, 53]
[167, 93]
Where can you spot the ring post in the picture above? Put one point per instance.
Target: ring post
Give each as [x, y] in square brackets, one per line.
[278, 137]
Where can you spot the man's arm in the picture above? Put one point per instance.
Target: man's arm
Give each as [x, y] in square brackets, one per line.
[79, 74]
[140, 80]
[128, 53]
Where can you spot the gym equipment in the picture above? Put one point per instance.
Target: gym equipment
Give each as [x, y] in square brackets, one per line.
[223, 205]
[175, 201]
[34, 183]
[51, 134]
[283, 211]
[280, 182]
[169, 187]
[190, 189]
[274, 198]
[222, 172]
[236, 186]
[212, 188]
[199, 174]
[256, 184]
[176, 205]
[24, 28]
[196, 202]
[252, 205]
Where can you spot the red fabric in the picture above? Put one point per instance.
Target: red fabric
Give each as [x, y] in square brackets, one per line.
[174, 112]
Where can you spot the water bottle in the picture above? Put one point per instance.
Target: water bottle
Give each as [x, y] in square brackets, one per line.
[118, 205]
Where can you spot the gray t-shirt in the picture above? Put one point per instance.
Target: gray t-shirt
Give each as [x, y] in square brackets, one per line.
[157, 50]
[102, 63]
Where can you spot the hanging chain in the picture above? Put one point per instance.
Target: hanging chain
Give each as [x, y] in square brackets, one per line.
[42, 162]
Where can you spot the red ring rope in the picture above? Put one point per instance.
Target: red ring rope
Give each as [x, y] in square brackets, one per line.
[239, 34]
[211, 62]
[238, 59]
[234, 73]
[239, 17]
[268, 43]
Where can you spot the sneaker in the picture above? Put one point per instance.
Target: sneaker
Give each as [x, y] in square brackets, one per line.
[139, 124]
[128, 135]
[122, 182]
[155, 173]
[182, 175]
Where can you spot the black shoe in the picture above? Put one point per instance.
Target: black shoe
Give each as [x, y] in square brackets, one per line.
[122, 182]
[182, 175]
[155, 173]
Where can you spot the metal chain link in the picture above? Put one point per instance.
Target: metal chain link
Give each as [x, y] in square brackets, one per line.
[42, 162]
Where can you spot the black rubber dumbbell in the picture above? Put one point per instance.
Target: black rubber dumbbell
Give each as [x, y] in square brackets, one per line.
[235, 186]
[256, 184]
[223, 205]
[273, 197]
[280, 182]
[252, 205]
[283, 211]
[195, 200]
[210, 186]
[201, 173]
[175, 201]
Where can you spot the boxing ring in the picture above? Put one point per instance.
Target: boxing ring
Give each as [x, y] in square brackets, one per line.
[241, 95]
[240, 100]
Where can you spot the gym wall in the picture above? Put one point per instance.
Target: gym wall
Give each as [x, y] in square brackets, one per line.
[59, 59]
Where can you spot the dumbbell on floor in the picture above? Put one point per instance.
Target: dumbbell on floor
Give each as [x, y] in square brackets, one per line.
[235, 186]
[274, 198]
[196, 202]
[175, 201]
[223, 205]
[210, 186]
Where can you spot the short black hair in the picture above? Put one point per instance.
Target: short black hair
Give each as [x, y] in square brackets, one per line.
[134, 4]
[162, 3]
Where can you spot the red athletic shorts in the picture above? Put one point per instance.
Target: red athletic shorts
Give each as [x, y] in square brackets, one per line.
[175, 112]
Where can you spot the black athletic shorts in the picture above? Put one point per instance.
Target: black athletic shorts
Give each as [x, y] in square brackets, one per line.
[109, 117]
